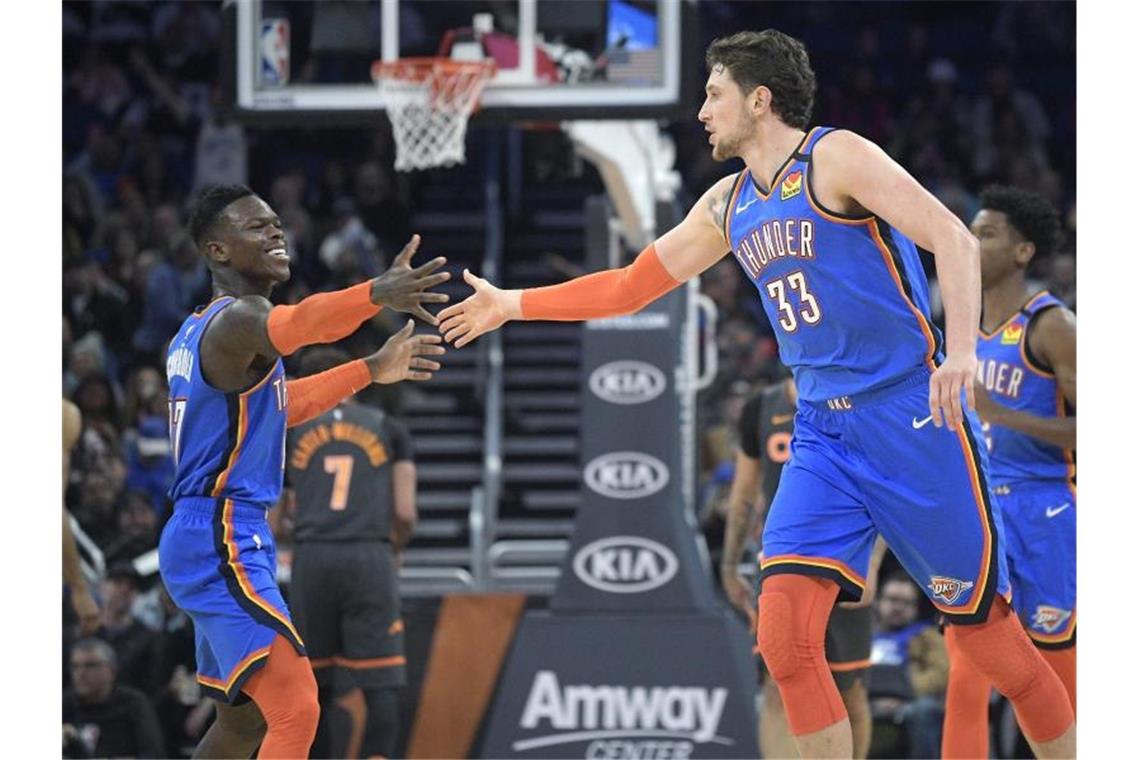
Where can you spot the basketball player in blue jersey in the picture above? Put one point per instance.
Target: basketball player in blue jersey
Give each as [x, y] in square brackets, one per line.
[1026, 394]
[229, 407]
[825, 225]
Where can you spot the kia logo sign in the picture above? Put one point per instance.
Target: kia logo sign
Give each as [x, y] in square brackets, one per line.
[627, 382]
[626, 475]
[625, 564]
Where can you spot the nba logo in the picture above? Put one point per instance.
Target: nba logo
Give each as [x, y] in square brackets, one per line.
[274, 51]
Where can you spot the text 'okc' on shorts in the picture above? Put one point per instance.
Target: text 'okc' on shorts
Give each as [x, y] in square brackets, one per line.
[875, 463]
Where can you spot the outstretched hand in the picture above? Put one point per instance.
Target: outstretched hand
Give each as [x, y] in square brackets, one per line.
[402, 357]
[481, 312]
[404, 289]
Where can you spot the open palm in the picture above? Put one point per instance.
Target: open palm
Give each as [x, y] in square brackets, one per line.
[481, 312]
[402, 357]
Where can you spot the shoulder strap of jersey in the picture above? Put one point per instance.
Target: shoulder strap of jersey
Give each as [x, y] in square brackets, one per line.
[1034, 308]
[734, 193]
[813, 136]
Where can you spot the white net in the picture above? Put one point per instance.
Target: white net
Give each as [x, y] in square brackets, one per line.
[428, 102]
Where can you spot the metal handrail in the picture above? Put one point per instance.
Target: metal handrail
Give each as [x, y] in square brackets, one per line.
[483, 524]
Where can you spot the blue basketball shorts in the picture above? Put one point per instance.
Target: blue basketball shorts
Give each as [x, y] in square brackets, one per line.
[1041, 549]
[219, 563]
[874, 463]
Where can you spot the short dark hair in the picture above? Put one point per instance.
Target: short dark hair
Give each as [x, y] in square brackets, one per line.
[316, 360]
[209, 205]
[775, 60]
[97, 646]
[1027, 212]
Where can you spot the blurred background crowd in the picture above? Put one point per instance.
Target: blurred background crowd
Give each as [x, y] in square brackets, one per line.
[960, 99]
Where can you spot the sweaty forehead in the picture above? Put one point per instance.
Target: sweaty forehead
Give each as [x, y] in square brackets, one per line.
[990, 218]
[719, 76]
[246, 209]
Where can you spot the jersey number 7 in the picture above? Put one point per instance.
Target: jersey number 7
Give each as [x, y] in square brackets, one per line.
[177, 413]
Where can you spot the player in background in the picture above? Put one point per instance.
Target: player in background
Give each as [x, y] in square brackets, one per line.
[79, 591]
[1027, 396]
[825, 225]
[229, 408]
[765, 435]
[352, 480]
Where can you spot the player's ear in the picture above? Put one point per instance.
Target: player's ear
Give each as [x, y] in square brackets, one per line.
[216, 252]
[1023, 253]
[759, 100]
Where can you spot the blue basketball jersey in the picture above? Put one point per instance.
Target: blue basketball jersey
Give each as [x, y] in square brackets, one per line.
[226, 445]
[1014, 379]
[846, 295]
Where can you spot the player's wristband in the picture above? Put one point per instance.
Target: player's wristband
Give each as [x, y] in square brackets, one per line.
[314, 395]
[320, 318]
[601, 294]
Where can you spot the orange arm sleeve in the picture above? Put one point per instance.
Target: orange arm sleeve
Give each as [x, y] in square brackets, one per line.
[314, 395]
[320, 318]
[602, 294]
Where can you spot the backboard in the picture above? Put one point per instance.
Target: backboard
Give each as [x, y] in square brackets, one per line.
[288, 60]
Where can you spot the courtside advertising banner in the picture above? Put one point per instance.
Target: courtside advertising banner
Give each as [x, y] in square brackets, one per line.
[632, 547]
[625, 686]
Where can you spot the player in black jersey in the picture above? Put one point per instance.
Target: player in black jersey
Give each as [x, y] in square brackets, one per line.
[354, 483]
[765, 434]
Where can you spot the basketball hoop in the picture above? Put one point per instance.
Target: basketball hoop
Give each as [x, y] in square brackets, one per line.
[429, 101]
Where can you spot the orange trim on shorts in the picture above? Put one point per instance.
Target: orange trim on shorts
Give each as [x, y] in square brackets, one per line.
[375, 662]
[923, 324]
[975, 600]
[236, 673]
[233, 559]
[844, 667]
[830, 564]
[1055, 638]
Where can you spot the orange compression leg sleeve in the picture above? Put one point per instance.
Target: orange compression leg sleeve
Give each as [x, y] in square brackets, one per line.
[602, 294]
[791, 621]
[314, 395]
[1002, 652]
[966, 727]
[320, 318]
[1064, 664]
[286, 693]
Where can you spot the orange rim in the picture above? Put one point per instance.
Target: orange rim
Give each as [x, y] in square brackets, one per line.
[418, 69]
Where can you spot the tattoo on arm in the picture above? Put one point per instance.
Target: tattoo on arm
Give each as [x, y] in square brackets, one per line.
[717, 203]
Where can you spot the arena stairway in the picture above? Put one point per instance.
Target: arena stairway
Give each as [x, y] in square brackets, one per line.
[527, 532]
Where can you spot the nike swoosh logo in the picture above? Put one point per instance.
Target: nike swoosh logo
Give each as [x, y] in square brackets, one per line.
[780, 419]
[741, 206]
[1054, 511]
[916, 423]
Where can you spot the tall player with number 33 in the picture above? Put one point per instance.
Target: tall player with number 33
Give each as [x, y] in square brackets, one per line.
[825, 225]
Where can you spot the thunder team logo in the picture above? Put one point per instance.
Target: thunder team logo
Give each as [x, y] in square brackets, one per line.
[948, 590]
[1011, 335]
[1049, 619]
[792, 185]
